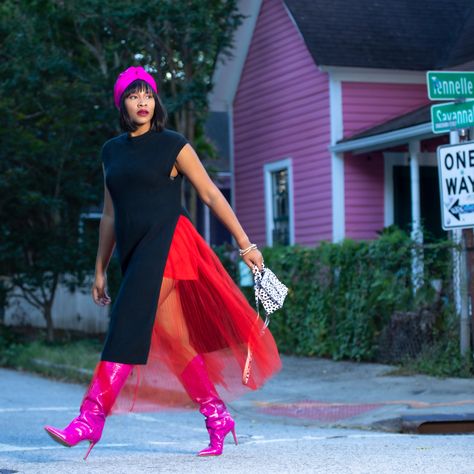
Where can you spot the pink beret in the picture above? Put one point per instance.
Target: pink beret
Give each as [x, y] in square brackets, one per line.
[126, 77]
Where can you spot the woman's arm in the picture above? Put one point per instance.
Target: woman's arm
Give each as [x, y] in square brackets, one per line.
[189, 164]
[105, 248]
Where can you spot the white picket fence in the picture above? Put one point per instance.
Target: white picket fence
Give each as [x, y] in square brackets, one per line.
[71, 310]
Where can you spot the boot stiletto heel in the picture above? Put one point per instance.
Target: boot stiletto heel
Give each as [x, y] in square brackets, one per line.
[91, 445]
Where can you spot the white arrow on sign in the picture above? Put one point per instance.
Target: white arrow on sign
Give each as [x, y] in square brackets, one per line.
[456, 209]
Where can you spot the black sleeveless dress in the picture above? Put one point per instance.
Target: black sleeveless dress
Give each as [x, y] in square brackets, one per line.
[147, 204]
[202, 310]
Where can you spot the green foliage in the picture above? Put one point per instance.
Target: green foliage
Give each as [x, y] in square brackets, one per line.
[58, 64]
[442, 358]
[66, 360]
[340, 298]
[228, 256]
[342, 295]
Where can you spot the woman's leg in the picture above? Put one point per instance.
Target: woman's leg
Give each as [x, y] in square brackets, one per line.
[190, 368]
[107, 380]
[219, 422]
[171, 329]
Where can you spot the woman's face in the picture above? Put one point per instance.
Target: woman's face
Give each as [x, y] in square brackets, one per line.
[140, 106]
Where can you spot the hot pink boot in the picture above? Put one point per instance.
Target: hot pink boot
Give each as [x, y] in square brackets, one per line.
[104, 387]
[219, 423]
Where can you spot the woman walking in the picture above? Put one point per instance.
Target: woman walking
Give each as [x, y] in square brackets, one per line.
[179, 325]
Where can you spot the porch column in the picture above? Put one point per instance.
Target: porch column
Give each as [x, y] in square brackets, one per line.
[416, 231]
[207, 224]
[337, 161]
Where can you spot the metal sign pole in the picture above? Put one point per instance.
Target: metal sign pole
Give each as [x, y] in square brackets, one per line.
[455, 166]
[470, 262]
[460, 277]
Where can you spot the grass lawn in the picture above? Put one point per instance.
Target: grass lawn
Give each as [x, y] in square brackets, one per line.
[71, 360]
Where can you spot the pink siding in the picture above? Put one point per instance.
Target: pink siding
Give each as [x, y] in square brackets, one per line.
[281, 110]
[364, 195]
[366, 105]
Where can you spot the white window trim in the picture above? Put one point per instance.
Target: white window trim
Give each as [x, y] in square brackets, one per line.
[390, 160]
[268, 168]
[91, 215]
[230, 117]
[88, 215]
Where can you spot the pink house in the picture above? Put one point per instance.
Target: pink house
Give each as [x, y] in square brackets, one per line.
[322, 117]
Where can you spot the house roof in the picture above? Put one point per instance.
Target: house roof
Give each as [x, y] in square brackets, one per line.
[415, 117]
[401, 34]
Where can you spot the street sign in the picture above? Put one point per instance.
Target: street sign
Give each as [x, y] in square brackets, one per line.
[452, 116]
[456, 185]
[447, 85]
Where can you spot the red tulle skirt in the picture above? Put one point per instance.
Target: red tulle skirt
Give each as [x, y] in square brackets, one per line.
[201, 311]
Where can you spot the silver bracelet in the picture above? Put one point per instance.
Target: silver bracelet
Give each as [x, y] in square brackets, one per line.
[251, 247]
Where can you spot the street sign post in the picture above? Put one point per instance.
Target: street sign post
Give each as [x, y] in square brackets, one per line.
[456, 185]
[456, 180]
[452, 116]
[447, 85]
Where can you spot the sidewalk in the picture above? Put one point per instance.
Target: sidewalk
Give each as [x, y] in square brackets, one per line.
[332, 394]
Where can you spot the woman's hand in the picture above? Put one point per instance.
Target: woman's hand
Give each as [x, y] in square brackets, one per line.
[254, 257]
[99, 290]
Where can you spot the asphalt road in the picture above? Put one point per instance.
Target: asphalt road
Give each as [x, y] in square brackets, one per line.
[167, 442]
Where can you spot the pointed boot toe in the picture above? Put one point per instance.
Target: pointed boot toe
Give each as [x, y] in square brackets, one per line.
[209, 451]
[57, 435]
[218, 429]
[212, 450]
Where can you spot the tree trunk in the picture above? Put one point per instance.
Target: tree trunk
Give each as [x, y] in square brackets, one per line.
[48, 309]
[48, 316]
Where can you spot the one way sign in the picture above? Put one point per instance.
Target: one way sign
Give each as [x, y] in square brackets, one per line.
[456, 183]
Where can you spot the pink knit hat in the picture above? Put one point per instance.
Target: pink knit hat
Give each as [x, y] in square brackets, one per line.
[126, 77]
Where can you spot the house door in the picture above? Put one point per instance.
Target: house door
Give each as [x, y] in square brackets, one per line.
[429, 200]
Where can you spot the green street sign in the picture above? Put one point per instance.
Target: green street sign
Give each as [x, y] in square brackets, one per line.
[443, 85]
[452, 116]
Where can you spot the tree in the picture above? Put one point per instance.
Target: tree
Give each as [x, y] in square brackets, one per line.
[179, 41]
[48, 170]
[58, 62]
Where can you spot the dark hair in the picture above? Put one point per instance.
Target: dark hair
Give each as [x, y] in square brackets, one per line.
[158, 121]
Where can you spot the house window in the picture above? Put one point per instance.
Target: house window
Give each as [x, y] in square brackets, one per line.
[89, 223]
[278, 192]
[281, 230]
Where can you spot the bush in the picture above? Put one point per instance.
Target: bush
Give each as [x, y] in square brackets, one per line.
[68, 360]
[344, 301]
[341, 296]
